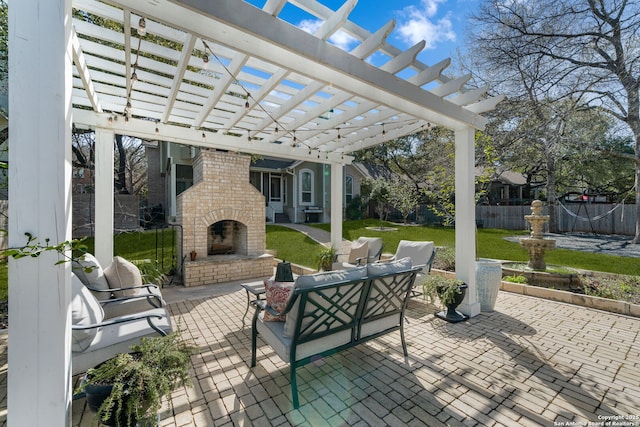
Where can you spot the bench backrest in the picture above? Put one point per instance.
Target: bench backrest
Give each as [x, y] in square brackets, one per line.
[364, 306]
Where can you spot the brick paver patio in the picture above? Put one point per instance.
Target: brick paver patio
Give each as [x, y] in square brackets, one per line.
[531, 362]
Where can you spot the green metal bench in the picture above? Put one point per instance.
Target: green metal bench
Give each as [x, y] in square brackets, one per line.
[331, 312]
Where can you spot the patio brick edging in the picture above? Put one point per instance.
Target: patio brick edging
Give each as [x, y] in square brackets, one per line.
[605, 304]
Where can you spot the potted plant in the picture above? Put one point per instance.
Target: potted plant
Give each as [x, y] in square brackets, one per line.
[450, 291]
[128, 389]
[326, 257]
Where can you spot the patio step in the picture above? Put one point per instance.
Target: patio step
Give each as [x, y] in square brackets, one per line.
[281, 218]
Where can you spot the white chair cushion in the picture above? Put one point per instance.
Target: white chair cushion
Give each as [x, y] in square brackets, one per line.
[113, 339]
[358, 250]
[378, 268]
[419, 252]
[94, 278]
[123, 274]
[273, 333]
[375, 245]
[85, 310]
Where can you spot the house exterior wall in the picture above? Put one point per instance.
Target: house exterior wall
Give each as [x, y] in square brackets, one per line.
[126, 213]
[157, 194]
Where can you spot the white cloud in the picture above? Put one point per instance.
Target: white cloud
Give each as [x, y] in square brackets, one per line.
[420, 23]
[340, 39]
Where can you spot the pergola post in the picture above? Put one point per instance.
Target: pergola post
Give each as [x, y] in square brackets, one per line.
[337, 188]
[40, 81]
[104, 196]
[466, 218]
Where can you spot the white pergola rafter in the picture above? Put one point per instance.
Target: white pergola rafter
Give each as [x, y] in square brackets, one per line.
[265, 80]
[292, 80]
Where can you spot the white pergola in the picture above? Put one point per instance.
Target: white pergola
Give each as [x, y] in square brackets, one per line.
[216, 74]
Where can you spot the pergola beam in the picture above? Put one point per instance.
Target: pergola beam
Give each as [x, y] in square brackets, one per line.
[146, 129]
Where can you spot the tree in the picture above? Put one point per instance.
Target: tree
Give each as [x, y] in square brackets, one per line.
[404, 197]
[581, 49]
[131, 166]
[380, 194]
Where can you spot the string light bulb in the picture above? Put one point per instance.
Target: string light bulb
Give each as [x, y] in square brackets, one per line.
[246, 104]
[134, 77]
[204, 136]
[384, 132]
[142, 27]
[339, 136]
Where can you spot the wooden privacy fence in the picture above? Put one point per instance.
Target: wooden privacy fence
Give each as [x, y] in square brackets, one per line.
[571, 217]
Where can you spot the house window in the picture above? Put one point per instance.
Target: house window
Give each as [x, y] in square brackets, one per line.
[348, 189]
[306, 187]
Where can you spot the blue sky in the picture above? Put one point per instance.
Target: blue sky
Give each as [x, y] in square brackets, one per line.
[441, 23]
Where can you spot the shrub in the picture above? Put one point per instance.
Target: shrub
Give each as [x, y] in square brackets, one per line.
[623, 288]
[354, 209]
[445, 259]
[515, 279]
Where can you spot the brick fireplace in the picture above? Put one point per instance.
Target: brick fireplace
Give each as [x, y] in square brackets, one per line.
[223, 221]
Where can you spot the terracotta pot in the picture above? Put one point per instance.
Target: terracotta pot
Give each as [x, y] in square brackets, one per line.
[193, 254]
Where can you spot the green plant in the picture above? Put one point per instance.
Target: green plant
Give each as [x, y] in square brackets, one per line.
[445, 259]
[150, 271]
[446, 288]
[140, 379]
[326, 257]
[34, 248]
[619, 287]
[515, 279]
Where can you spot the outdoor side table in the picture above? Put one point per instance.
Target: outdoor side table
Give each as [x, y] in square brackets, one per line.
[253, 288]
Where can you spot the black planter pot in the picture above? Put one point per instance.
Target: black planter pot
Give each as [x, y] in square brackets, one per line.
[451, 314]
[96, 394]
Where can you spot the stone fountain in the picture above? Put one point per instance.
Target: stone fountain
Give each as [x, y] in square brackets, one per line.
[536, 244]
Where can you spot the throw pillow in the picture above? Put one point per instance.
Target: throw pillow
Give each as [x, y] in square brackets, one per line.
[88, 270]
[277, 295]
[358, 250]
[85, 311]
[123, 274]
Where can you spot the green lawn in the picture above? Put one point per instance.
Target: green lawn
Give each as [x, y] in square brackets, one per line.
[132, 246]
[299, 249]
[490, 243]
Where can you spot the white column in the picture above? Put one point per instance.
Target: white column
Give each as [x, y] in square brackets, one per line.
[40, 80]
[173, 190]
[337, 188]
[466, 218]
[104, 196]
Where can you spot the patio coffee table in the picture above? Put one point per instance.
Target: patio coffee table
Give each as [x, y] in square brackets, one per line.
[253, 288]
